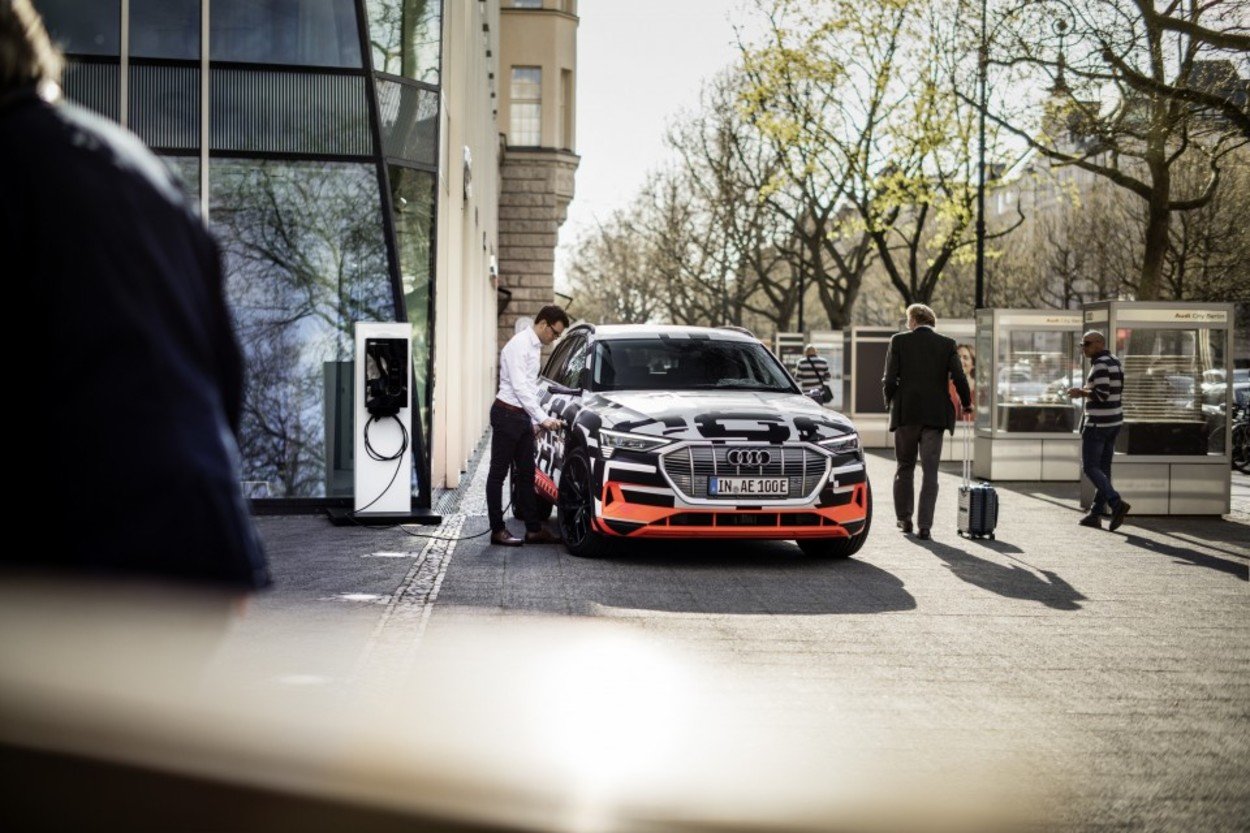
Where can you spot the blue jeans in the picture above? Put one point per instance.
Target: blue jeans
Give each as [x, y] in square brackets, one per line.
[1097, 449]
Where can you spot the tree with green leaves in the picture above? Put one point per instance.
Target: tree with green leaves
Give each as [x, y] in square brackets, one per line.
[860, 97]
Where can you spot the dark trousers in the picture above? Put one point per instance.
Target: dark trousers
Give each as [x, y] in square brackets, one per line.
[511, 447]
[910, 442]
[1097, 451]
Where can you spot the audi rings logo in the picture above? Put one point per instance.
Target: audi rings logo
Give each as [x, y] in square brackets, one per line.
[748, 457]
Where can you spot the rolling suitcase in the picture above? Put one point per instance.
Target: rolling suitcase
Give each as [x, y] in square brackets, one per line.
[978, 502]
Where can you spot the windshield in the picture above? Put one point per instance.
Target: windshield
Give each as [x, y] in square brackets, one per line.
[687, 364]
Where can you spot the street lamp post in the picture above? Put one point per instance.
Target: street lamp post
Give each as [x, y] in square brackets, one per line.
[982, 64]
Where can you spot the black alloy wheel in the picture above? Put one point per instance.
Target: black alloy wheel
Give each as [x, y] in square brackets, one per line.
[576, 507]
[838, 548]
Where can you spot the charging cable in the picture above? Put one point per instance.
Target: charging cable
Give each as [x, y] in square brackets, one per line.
[398, 456]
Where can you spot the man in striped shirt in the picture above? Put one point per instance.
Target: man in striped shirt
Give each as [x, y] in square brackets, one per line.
[812, 370]
[1104, 415]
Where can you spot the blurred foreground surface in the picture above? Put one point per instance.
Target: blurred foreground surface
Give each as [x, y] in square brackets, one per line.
[1053, 679]
[114, 718]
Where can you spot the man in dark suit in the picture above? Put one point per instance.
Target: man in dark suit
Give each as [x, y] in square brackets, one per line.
[919, 366]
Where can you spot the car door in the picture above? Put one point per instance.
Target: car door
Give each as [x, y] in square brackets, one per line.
[565, 363]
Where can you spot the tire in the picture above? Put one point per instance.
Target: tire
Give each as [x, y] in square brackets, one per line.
[839, 548]
[576, 507]
[543, 505]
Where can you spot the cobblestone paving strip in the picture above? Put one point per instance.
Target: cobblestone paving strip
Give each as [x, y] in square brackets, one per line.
[392, 645]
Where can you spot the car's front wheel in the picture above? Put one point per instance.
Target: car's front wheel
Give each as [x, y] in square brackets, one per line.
[576, 507]
[840, 547]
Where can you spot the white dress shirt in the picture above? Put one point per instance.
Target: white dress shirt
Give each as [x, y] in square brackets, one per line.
[518, 373]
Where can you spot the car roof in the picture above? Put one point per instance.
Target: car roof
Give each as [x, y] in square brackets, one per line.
[612, 332]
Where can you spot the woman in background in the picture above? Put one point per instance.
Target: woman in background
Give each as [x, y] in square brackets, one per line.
[968, 360]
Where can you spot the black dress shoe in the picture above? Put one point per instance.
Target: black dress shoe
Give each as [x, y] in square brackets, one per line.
[542, 536]
[1117, 517]
[504, 538]
[924, 535]
[905, 526]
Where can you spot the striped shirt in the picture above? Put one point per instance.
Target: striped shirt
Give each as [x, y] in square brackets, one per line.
[1106, 382]
[811, 372]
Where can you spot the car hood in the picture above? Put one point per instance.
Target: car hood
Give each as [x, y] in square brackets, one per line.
[759, 416]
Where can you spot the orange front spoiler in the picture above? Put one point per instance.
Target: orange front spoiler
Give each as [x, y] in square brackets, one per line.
[622, 519]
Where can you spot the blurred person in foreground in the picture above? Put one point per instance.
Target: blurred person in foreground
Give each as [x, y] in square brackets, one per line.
[138, 394]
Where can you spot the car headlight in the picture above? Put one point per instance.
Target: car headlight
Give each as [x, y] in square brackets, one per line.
[845, 444]
[610, 441]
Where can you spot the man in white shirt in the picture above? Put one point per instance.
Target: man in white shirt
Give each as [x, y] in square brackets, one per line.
[515, 417]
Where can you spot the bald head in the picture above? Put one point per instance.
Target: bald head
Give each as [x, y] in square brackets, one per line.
[1093, 342]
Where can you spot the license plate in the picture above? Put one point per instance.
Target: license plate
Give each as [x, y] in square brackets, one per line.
[749, 486]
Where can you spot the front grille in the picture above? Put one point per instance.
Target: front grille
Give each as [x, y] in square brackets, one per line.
[690, 467]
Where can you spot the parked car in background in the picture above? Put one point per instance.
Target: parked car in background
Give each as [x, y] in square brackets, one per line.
[1213, 388]
[1017, 385]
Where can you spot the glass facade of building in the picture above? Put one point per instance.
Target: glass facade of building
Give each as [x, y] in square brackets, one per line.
[318, 177]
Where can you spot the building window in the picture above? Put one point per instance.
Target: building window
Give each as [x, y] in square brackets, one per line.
[165, 29]
[566, 108]
[294, 32]
[527, 4]
[406, 37]
[83, 28]
[305, 259]
[413, 199]
[527, 106]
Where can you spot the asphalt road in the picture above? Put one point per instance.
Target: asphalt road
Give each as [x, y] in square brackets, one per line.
[1111, 670]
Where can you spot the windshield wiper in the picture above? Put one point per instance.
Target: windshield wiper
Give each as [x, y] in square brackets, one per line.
[713, 386]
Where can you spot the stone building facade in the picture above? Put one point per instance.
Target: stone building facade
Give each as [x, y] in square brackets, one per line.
[537, 65]
[535, 189]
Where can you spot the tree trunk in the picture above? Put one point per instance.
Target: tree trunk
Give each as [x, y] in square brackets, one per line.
[1157, 216]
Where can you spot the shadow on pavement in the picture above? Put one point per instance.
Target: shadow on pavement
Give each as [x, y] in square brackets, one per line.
[1010, 581]
[740, 577]
[995, 545]
[1237, 569]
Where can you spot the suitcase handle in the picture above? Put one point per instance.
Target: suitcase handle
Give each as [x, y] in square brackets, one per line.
[967, 462]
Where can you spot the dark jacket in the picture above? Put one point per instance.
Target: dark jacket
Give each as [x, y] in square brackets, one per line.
[137, 383]
[918, 367]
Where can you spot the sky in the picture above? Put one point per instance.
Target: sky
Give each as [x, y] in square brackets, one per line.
[639, 64]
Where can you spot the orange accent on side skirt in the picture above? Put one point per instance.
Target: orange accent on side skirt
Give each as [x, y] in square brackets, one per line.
[545, 487]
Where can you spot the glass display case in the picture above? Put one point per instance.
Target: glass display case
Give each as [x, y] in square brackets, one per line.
[863, 355]
[829, 345]
[1026, 425]
[790, 347]
[1172, 451]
